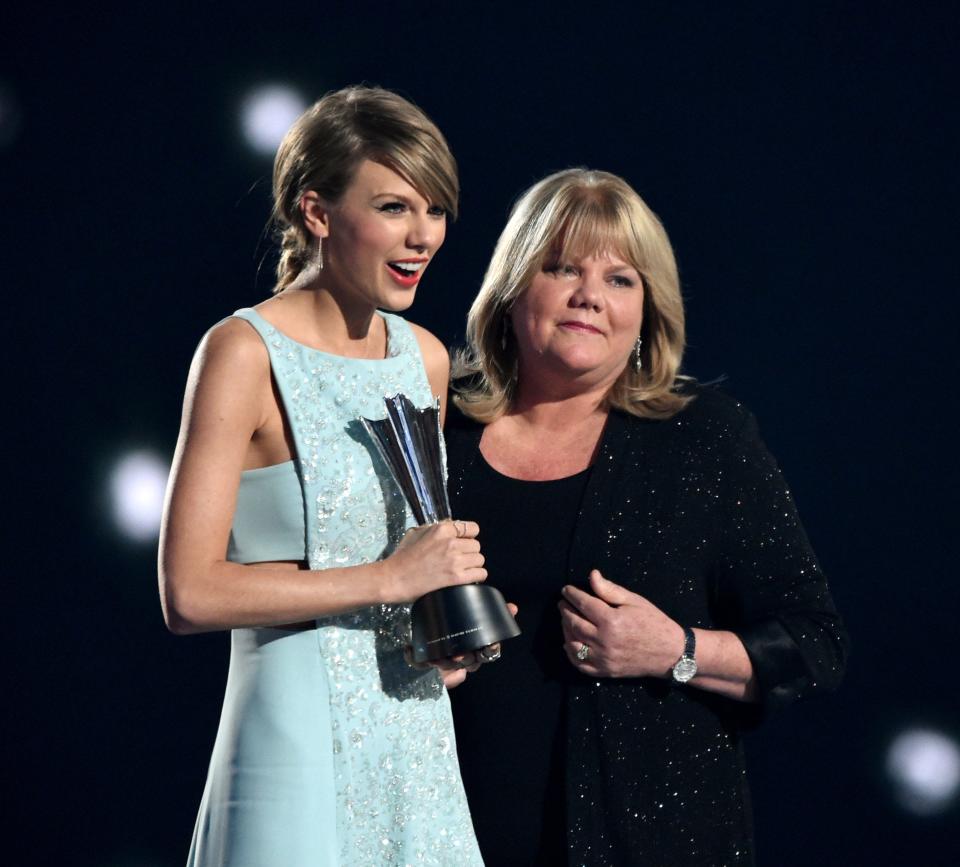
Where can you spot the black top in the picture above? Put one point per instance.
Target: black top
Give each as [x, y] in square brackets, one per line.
[514, 779]
[692, 513]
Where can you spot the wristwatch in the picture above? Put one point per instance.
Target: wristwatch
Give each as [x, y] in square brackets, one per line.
[686, 666]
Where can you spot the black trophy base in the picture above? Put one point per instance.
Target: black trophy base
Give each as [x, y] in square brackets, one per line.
[455, 620]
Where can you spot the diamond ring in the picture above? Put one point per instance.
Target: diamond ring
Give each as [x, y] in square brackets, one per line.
[583, 652]
[490, 655]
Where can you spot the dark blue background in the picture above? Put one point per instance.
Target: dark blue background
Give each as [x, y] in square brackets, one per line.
[804, 160]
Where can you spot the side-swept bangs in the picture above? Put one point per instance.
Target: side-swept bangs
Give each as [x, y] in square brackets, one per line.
[420, 155]
[325, 146]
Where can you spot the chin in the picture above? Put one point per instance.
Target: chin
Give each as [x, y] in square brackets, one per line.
[579, 364]
[397, 302]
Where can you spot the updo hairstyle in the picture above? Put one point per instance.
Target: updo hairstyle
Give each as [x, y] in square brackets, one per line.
[326, 144]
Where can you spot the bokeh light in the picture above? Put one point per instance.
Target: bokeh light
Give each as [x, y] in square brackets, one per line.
[924, 766]
[268, 111]
[137, 487]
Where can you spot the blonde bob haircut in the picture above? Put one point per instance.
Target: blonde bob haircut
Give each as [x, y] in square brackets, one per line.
[568, 215]
[325, 146]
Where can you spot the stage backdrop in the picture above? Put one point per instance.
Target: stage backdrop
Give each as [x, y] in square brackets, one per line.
[804, 160]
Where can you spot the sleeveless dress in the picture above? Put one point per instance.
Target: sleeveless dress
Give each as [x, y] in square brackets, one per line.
[331, 750]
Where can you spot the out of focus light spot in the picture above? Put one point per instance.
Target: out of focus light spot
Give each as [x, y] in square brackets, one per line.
[924, 766]
[9, 116]
[137, 487]
[268, 113]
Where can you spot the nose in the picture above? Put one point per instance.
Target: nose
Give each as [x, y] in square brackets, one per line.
[589, 291]
[425, 232]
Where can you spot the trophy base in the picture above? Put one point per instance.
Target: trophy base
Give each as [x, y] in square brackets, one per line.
[455, 620]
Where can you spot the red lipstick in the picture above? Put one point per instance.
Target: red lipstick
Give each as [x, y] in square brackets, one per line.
[406, 272]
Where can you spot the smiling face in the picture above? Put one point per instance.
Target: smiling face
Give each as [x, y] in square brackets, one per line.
[377, 239]
[579, 320]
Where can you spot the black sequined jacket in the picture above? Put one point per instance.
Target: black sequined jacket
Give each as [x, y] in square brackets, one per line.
[692, 513]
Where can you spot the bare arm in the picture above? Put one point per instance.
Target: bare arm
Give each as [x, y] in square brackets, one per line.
[723, 665]
[225, 406]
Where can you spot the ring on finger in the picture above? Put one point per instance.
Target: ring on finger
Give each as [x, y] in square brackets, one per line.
[583, 652]
[490, 654]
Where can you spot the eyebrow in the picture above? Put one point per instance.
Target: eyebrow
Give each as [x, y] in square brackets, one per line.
[392, 195]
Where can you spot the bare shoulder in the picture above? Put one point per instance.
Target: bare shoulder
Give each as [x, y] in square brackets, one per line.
[234, 347]
[435, 356]
[436, 362]
[229, 376]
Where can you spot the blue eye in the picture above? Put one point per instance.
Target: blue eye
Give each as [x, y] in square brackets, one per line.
[392, 208]
[622, 282]
[560, 269]
[437, 211]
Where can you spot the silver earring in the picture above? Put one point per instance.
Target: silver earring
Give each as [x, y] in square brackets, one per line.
[320, 253]
[637, 360]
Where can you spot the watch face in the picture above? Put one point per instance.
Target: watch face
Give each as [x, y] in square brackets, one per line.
[685, 669]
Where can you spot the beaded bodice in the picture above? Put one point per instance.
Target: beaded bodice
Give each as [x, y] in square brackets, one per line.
[397, 780]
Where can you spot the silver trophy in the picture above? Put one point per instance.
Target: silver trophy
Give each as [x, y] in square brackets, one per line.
[452, 620]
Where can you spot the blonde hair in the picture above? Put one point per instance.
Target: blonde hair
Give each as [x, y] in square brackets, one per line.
[574, 213]
[326, 144]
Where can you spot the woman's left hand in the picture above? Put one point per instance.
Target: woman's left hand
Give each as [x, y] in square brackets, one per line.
[627, 635]
[454, 669]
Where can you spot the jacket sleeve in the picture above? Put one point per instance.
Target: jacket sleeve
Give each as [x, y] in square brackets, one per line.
[770, 585]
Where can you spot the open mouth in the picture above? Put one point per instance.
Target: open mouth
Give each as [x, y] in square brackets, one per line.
[407, 273]
[406, 269]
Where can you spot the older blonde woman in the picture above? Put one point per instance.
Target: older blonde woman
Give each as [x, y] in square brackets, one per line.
[667, 589]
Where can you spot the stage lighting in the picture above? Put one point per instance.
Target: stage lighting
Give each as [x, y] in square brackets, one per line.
[137, 487]
[268, 112]
[924, 767]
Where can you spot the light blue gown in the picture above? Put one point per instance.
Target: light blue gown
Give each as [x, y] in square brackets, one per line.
[331, 749]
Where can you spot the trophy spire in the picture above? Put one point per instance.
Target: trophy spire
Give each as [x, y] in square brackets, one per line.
[452, 620]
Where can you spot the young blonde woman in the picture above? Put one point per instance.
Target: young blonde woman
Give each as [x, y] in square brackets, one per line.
[284, 527]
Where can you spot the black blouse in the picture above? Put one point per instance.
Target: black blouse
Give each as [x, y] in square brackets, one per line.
[692, 513]
[514, 778]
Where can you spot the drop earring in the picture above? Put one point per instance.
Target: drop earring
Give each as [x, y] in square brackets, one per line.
[503, 333]
[320, 253]
[637, 360]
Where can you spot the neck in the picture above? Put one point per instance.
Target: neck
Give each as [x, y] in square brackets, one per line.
[343, 323]
[541, 408]
[544, 396]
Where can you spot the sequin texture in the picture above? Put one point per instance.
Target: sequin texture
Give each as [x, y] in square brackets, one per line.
[396, 782]
[693, 514]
